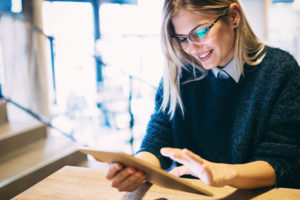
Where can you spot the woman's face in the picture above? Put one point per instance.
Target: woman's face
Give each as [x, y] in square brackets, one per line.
[216, 48]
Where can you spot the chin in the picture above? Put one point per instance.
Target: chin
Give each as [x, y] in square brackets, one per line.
[208, 67]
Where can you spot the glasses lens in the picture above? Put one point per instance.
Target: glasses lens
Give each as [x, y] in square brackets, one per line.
[200, 34]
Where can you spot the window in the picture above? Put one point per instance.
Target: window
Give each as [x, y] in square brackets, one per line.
[284, 26]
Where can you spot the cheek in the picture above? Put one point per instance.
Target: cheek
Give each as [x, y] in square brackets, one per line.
[194, 48]
[229, 40]
[225, 43]
[228, 35]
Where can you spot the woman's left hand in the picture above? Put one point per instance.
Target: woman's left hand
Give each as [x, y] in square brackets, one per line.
[213, 174]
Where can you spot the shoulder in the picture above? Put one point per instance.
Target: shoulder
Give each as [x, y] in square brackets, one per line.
[277, 68]
[278, 61]
[277, 54]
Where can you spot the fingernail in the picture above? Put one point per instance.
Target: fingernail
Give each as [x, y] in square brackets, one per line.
[131, 171]
[141, 174]
[118, 166]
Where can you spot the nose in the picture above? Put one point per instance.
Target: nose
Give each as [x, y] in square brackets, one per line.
[193, 48]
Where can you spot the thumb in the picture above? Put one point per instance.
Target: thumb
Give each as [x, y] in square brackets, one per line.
[179, 171]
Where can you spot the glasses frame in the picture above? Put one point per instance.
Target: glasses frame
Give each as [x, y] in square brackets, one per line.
[195, 33]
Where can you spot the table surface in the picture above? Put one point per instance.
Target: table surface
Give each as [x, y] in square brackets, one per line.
[84, 183]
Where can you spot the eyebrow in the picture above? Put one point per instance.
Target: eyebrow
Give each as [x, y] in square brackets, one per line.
[178, 35]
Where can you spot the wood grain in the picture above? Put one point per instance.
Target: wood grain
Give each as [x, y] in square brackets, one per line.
[78, 183]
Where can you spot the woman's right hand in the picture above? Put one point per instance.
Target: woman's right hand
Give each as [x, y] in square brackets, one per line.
[124, 178]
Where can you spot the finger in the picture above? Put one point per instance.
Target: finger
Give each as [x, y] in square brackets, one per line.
[112, 170]
[180, 171]
[118, 179]
[169, 151]
[182, 160]
[174, 154]
[134, 181]
[131, 182]
[209, 176]
[135, 186]
[192, 156]
[98, 159]
[141, 182]
[196, 164]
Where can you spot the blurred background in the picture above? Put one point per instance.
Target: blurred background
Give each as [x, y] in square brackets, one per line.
[89, 69]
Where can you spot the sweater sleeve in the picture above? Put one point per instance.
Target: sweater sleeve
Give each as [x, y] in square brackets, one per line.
[158, 133]
[280, 146]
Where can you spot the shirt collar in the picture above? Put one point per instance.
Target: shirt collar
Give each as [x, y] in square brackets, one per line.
[231, 69]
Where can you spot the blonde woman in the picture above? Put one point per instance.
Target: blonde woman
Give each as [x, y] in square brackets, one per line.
[228, 108]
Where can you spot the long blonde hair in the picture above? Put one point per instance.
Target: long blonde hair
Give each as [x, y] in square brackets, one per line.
[246, 44]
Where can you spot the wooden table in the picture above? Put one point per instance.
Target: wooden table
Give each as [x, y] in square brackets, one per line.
[84, 183]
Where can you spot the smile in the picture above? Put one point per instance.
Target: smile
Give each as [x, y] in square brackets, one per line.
[204, 56]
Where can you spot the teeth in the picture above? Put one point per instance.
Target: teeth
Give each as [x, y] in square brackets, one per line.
[204, 55]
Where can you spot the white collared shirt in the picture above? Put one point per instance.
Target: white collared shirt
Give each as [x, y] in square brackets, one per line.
[229, 70]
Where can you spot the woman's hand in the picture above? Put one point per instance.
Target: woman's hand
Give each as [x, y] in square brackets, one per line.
[213, 174]
[124, 178]
[127, 178]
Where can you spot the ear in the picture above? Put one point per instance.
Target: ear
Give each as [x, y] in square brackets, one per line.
[235, 15]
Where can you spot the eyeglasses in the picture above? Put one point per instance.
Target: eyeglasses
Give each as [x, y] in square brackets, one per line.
[196, 35]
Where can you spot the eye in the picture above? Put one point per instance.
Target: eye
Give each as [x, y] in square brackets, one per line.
[201, 33]
[182, 39]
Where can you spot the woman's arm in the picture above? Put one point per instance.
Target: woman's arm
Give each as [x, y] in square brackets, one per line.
[148, 157]
[250, 175]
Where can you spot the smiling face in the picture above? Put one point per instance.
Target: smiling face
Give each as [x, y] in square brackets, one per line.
[217, 47]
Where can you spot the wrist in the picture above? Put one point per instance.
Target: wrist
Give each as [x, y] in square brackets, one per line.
[231, 175]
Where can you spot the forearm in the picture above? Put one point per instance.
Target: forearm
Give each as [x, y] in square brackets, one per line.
[148, 157]
[251, 175]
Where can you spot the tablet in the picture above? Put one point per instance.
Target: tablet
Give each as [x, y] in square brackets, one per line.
[154, 174]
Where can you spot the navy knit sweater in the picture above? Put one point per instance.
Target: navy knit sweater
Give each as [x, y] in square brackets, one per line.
[257, 118]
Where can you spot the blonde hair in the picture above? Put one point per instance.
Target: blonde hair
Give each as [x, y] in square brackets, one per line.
[247, 48]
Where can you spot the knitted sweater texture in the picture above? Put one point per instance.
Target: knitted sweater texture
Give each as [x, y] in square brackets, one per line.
[260, 118]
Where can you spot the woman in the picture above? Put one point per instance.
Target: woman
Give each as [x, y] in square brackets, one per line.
[228, 108]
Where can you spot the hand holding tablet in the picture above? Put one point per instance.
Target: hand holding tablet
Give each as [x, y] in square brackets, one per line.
[154, 174]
